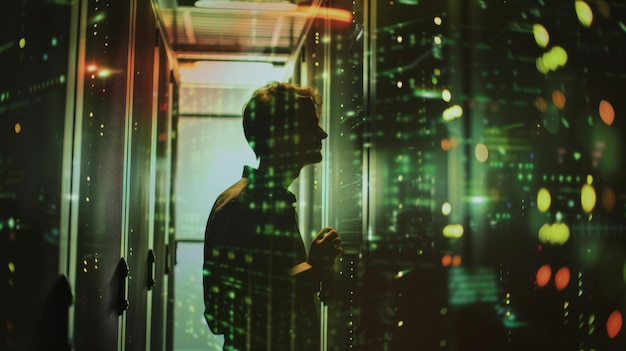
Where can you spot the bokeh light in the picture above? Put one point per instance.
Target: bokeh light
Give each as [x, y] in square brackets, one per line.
[446, 95]
[608, 199]
[446, 208]
[588, 198]
[584, 13]
[453, 231]
[454, 142]
[603, 8]
[551, 60]
[542, 38]
[541, 67]
[558, 98]
[544, 273]
[541, 104]
[452, 113]
[17, 128]
[445, 144]
[607, 113]
[559, 55]
[614, 324]
[562, 278]
[557, 233]
[543, 200]
[481, 152]
[446, 260]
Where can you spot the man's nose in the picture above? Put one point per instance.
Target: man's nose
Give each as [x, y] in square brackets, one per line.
[323, 133]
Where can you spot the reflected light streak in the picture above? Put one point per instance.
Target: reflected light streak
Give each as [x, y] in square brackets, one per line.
[103, 73]
[327, 13]
[427, 93]
[478, 200]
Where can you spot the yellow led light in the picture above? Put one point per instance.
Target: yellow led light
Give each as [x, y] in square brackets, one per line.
[584, 13]
[544, 200]
[588, 198]
[453, 231]
[542, 38]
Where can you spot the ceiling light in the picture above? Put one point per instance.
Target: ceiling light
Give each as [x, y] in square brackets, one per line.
[247, 5]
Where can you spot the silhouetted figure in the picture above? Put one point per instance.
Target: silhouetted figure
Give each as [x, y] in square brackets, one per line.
[259, 283]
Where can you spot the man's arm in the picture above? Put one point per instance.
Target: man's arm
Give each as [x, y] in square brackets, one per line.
[324, 250]
[220, 274]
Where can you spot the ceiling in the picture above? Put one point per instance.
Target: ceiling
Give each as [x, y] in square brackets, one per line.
[226, 49]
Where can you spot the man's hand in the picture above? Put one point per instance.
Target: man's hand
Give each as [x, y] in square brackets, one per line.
[325, 248]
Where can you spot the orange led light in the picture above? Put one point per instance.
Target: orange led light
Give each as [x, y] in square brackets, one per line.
[562, 278]
[543, 275]
[614, 324]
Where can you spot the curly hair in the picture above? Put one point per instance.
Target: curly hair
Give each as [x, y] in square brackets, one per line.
[272, 112]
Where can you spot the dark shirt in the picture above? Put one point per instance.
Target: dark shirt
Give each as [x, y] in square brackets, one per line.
[251, 242]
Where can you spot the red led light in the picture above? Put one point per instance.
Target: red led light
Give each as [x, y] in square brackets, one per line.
[614, 324]
[544, 273]
[562, 278]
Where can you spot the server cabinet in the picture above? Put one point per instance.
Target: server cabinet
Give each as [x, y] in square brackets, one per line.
[333, 60]
[86, 104]
[163, 262]
[102, 153]
[140, 195]
[36, 104]
[493, 210]
[481, 112]
[122, 147]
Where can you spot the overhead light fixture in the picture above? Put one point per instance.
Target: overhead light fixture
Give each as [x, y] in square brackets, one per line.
[252, 5]
[230, 73]
[247, 5]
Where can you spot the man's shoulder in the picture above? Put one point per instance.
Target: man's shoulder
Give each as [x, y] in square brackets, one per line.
[236, 194]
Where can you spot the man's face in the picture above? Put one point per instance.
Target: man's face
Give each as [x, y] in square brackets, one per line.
[309, 134]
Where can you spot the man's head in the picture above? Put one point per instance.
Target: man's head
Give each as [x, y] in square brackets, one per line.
[281, 121]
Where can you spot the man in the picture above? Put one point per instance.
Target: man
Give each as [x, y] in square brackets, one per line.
[259, 282]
